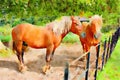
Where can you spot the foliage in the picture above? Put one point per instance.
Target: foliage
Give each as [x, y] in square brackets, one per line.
[40, 12]
[71, 38]
[5, 52]
[111, 70]
[32, 9]
[5, 33]
[5, 38]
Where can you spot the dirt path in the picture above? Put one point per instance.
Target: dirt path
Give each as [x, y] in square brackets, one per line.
[35, 59]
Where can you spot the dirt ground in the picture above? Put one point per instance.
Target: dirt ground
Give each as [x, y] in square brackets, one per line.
[35, 60]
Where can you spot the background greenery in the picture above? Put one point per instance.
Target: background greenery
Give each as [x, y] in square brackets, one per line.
[40, 12]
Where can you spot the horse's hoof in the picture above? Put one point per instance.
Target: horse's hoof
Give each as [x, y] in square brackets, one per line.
[45, 69]
[22, 68]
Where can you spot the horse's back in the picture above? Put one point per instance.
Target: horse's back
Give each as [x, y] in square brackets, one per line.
[22, 27]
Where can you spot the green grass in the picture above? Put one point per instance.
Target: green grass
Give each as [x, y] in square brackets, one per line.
[6, 38]
[105, 36]
[71, 38]
[5, 33]
[111, 70]
[5, 52]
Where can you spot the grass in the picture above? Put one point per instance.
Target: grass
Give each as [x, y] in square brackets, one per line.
[71, 38]
[5, 53]
[5, 33]
[105, 36]
[111, 70]
[6, 38]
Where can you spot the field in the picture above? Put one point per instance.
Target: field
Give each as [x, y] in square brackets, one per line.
[67, 51]
[35, 59]
[111, 70]
[41, 12]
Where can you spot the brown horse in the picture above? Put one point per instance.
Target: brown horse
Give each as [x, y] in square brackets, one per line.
[48, 37]
[90, 34]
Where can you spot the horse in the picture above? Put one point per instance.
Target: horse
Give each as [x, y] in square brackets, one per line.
[90, 33]
[48, 37]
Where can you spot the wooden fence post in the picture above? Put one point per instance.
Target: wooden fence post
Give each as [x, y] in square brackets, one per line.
[107, 54]
[114, 40]
[111, 46]
[66, 71]
[96, 66]
[87, 66]
[103, 56]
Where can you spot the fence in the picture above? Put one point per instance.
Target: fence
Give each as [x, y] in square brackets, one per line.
[109, 46]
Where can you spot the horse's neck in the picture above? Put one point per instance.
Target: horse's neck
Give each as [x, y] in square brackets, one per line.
[76, 30]
[64, 34]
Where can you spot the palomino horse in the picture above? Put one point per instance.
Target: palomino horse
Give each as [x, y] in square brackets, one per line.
[48, 37]
[90, 33]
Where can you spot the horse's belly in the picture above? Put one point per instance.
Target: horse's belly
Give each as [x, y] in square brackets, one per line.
[37, 45]
[36, 42]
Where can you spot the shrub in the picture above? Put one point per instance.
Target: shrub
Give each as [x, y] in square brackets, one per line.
[5, 33]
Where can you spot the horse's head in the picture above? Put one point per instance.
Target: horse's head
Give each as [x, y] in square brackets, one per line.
[76, 24]
[96, 25]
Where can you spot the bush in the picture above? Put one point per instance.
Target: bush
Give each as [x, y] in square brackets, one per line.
[5, 33]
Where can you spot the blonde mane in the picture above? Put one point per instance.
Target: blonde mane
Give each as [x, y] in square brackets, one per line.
[85, 25]
[62, 25]
[96, 18]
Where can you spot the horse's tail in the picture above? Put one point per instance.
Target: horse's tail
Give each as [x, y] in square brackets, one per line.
[25, 47]
[13, 46]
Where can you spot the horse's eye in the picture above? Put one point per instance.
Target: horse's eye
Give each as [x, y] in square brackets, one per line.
[77, 24]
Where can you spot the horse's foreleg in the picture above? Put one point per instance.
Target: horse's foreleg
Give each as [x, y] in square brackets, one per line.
[49, 55]
[86, 49]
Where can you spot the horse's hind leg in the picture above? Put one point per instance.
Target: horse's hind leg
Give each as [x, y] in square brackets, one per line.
[20, 53]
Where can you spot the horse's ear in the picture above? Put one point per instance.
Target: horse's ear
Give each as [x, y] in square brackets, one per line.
[72, 17]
